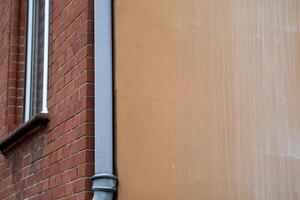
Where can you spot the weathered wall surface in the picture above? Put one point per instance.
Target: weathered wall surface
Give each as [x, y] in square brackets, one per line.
[208, 99]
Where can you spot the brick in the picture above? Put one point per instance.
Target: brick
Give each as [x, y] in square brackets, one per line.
[55, 162]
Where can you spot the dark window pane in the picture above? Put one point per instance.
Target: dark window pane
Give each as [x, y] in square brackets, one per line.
[37, 57]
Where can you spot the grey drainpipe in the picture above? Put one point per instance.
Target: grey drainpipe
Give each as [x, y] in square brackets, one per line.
[104, 181]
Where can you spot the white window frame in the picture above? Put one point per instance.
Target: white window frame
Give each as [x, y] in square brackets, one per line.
[29, 50]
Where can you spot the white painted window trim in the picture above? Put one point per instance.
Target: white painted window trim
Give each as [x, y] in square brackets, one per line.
[29, 59]
[46, 56]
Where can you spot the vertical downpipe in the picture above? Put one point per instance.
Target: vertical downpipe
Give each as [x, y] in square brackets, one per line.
[104, 181]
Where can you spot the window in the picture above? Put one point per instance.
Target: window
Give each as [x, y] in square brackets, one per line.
[37, 58]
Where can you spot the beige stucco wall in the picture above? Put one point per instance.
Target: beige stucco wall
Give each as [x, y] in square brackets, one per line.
[208, 99]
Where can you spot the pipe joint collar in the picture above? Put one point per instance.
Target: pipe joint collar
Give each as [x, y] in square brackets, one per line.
[104, 186]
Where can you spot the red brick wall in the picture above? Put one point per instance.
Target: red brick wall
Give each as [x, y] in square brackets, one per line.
[5, 10]
[21, 42]
[12, 23]
[55, 162]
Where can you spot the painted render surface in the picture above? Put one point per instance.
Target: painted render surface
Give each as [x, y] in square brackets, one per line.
[208, 99]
